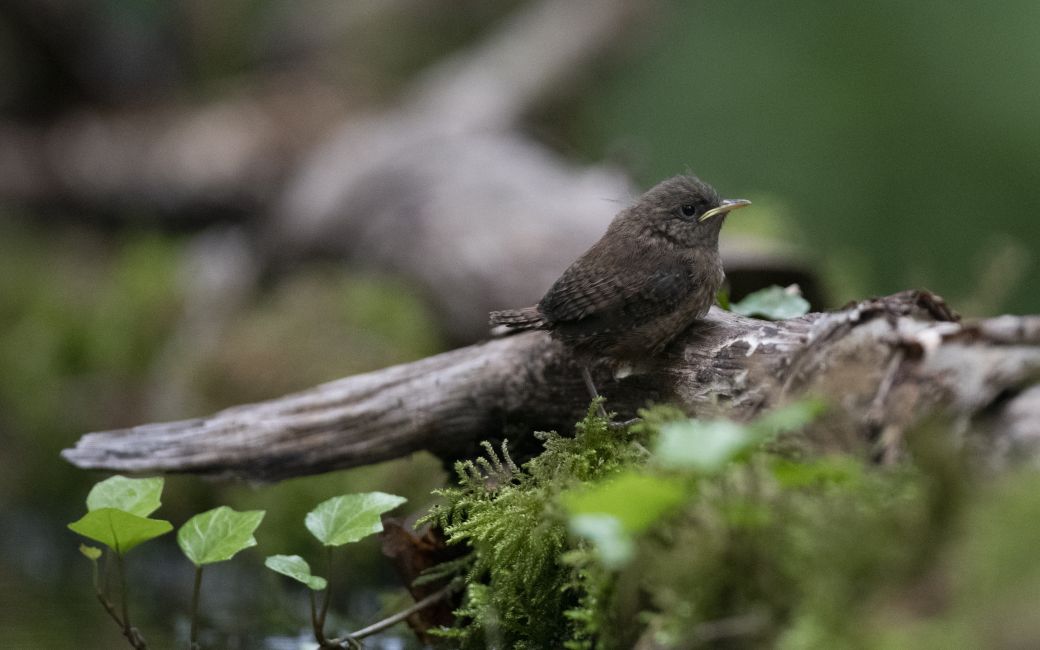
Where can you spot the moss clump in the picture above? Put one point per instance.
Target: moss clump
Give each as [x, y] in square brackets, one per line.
[522, 592]
[761, 549]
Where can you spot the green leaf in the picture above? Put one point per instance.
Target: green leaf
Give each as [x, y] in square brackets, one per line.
[218, 534]
[702, 446]
[350, 517]
[772, 303]
[296, 568]
[119, 530]
[138, 496]
[790, 418]
[722, 297]
[92, 553]
[635, 501]
[836, 470]
[613, 545]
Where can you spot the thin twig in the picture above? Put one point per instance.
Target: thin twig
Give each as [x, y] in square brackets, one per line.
[593, 393]
[110, 608]
[877, 406]
[390, 621]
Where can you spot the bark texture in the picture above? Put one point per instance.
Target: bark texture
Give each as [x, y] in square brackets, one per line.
[883, 363]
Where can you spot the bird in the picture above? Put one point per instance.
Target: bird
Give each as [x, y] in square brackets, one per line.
[654, 272]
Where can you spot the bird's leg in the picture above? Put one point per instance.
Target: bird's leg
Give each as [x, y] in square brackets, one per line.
[593, 393]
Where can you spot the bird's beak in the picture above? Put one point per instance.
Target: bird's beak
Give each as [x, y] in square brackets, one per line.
[727, 206]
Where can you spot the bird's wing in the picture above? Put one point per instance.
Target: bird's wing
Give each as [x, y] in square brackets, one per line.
[597, 299]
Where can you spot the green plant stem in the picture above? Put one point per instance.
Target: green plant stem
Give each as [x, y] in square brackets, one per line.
[328, 589]
[94, 577]
[195, 608]
[106, 571]
[122, 593]
[319, 632]
[110, 608]
[129, 631]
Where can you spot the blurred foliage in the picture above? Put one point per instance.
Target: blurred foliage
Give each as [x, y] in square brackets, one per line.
[763, 550]
[86, 318]
[81, 321]
[894, 142]
[902, 136]
[772, 303]
[316, 325]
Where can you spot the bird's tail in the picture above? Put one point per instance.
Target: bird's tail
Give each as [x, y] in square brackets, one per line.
[528, 318]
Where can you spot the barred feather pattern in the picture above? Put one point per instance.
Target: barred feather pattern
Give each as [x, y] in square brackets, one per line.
[528, 318]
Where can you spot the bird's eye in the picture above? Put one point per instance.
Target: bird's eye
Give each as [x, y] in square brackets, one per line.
[688, 209]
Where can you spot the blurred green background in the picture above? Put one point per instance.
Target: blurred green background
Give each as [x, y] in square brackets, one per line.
[895, 144]
[900, 139]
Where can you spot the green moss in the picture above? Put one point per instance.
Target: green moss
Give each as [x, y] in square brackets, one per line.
[767, 550]
[524, 591]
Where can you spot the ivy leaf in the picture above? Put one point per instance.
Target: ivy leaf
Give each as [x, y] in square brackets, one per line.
[296, 568]
[613, 545]
[119, 530]
[722, 297]
[218, 534]
[772, 303]
[703, 446]
[791, 417]
[92, 553]
[609, 514]
[635, 501]
[138, 496]
[350, 517]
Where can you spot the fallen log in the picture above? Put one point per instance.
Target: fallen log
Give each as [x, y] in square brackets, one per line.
[883, 363]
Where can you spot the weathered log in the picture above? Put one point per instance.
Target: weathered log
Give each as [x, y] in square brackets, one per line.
[883, 363]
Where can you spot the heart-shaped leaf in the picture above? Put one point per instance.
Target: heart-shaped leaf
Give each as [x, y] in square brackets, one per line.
[92, 553]
[119, 530]
[350, 517]
[296, 568]
[703, 446]
[635, 500]
[772, 303]
[218, 534]
[791, 417]
[612, 543]
[138, 496]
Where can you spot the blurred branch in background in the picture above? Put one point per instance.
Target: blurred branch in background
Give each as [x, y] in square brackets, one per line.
[443, 188]
[183, 165]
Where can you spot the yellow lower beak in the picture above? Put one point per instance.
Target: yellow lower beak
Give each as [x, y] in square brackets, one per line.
[727, 206]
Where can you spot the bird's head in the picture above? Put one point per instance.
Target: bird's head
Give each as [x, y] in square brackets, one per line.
[684, 210]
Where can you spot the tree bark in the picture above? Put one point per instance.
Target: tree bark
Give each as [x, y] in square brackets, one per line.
[883, 364]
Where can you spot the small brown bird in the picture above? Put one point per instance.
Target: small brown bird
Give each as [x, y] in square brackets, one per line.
[655, 271]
